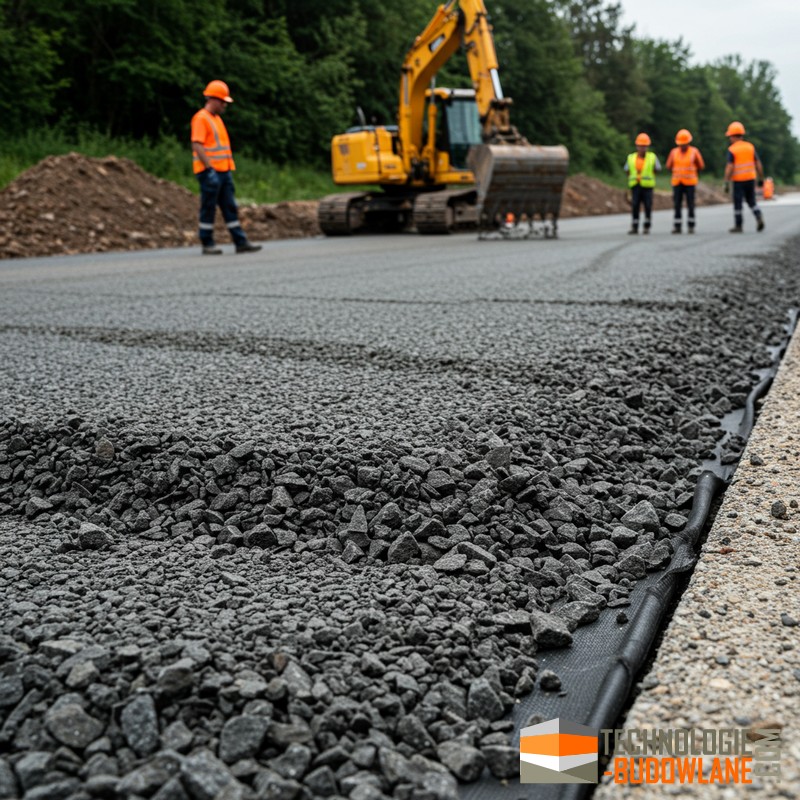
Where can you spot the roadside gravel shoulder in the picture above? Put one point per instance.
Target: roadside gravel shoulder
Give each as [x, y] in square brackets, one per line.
[731, 655]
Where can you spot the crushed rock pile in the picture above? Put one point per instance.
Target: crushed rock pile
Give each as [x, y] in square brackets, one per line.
[73, 204]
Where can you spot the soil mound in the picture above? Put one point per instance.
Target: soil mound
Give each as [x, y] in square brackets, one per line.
[75, 204]
[585, 196]
[288, 220]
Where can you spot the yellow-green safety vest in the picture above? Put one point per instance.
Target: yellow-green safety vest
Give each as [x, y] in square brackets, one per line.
[647, 178]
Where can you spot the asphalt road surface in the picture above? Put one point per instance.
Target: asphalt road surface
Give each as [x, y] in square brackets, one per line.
[296, 524]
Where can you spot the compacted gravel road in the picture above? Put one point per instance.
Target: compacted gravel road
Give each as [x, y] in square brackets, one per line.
[297, 524]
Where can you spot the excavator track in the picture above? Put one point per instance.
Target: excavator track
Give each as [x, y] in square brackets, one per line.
[445, 211]
[341, 214]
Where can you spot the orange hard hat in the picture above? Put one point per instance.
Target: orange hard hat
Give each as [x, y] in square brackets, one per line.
[735, 129]
[683, 136]
[218, 89]
[643, 140]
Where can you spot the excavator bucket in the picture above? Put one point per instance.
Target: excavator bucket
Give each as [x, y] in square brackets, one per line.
[521, 179]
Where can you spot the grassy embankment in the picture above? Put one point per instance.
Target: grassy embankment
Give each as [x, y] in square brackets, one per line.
[257, 181]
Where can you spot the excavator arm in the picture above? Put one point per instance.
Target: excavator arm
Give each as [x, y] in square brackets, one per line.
[456, 23]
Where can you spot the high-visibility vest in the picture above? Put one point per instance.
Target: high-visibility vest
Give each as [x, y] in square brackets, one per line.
[210, 131]
[684, 166]
[744, 161]
[647, 177]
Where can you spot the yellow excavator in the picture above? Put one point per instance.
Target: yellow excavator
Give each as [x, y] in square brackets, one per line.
[454, 160]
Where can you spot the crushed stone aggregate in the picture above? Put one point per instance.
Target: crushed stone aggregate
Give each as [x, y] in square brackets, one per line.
[292, 528]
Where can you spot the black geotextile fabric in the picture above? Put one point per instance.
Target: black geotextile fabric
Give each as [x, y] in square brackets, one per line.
[598, 670]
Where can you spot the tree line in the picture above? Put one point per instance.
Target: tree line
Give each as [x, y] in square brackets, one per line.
[298, 69]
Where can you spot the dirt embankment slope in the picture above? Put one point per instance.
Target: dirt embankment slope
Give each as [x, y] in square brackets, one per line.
[73, 204]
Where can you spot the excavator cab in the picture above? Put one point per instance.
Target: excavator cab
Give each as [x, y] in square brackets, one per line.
[459, 126]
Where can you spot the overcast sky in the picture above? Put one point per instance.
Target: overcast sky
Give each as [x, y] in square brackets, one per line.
[765, 29]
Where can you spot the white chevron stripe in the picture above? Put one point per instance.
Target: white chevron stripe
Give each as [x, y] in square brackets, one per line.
[558, 763]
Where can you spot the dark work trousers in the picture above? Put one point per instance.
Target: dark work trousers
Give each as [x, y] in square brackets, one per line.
[744, 190]
[678, 193]
[641, 196]
[216, 189]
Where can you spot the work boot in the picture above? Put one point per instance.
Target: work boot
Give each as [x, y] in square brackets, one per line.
[247, 248]
[634, 230]
[736, 229]
[211, 250]
[646, 229]
[677, 229]
[760, 225]
[691, 229]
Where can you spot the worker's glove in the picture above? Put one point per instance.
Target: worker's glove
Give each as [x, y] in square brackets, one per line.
[760, 183]
[727, 187]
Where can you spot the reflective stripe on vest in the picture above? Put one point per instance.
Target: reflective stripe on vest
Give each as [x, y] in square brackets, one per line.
[744, 161]
[684, 166]
[647, 177]
[220, 155]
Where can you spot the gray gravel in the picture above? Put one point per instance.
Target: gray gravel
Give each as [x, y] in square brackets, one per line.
[291, 526]
[731, 655]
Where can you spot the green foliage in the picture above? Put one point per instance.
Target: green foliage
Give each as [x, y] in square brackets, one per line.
[29, 65]
[607, 52]
[749, 91]
[135, 69]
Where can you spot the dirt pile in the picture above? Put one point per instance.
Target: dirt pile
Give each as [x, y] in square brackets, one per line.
[585, 196]
[75, 204]
[280, 220]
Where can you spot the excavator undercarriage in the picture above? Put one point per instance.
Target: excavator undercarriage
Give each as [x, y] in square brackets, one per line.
[436, 211]
[522, 180]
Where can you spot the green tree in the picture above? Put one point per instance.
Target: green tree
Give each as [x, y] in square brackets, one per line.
[752, 95]
[674, 100]
[553, 103]
[29, 59]
[712, 117]
[611, 65]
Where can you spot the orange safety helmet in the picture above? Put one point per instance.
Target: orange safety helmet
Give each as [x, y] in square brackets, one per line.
[683, 136]
[218, 89]
[643, 140]
[735, 129]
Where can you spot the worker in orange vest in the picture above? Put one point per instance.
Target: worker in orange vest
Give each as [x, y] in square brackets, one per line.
[685, 162]
[641, 167]
[212, 161]
[743, 167]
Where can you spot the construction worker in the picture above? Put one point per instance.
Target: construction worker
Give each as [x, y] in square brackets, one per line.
[685, 162]
[212, 160]
[641, 167]
[743, 167]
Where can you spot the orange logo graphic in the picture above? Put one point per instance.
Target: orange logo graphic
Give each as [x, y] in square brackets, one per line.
[558, 751]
